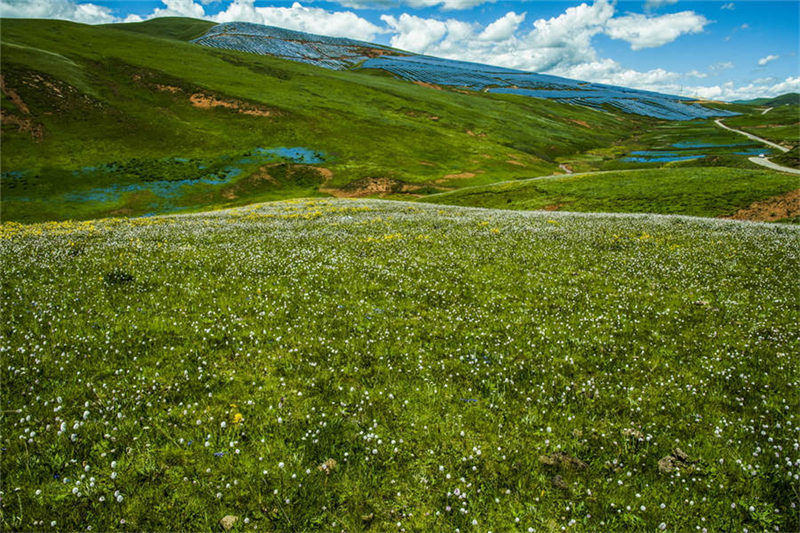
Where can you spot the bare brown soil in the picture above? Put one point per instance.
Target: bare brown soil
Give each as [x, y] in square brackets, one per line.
[772, 209]
[13, 96]
[372, 187]
[429, 85]
[204, 101]
[168, 88]
[24, 124]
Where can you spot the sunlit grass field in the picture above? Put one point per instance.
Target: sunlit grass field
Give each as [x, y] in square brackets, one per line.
[354, 365]
[695, 191]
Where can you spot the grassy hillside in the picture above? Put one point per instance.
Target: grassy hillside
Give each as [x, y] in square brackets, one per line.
[79, 102]
[784, 99]
[780, 125]
[182, 29]
[706, 192]
[375, 365]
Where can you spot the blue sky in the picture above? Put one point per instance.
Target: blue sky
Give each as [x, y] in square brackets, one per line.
[718, 50]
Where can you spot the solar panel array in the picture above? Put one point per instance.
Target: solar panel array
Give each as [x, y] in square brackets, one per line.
[340, 53]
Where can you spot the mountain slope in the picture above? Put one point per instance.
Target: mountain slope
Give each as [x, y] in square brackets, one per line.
[103, 120]
[341, 53]
[179, 28]
[784, 99]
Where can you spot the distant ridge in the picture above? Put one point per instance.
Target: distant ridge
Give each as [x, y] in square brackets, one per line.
[340, 53]
[784, 99]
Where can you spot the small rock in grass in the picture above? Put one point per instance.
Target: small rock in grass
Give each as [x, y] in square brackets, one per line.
[228, 521]
[676, 460]
[631, 432]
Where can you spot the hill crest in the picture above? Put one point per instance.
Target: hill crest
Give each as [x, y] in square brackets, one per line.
[339, 53]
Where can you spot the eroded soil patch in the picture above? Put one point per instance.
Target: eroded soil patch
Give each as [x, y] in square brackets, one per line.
[772, 209]
[372, 187]
[205, 101]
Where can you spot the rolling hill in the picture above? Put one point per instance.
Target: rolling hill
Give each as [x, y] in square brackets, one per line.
[356, 364]
[108, 120]
[344, 54]
[704, 192]
[784, 99]
[177, 115]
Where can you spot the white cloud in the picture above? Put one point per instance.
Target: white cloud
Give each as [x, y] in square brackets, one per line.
[301, 18]
[444, 4]
[729, 91]
[729, 6]
[767, 59]
[296, 17]
[179, 8]
[720, 66]
[560, 45]
[414, 33]
[57, 9]
[502, 28]
[653, 4]
[647, 32]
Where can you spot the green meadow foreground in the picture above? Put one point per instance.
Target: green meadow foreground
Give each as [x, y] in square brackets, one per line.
[707, 192]
[343, 364]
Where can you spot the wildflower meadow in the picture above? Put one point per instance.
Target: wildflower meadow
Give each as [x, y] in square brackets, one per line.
[350, 365]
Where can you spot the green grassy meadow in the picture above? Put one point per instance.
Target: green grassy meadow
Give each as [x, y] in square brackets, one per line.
[373, 365]
[695, 191]
[131, 120]
[91, 96]
[197, 336]
[780, 125]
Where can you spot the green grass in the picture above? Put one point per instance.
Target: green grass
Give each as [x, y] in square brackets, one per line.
[162, 373]
[780, 125]
[788, 159]
[122, 93]
[182, 29]
[788, 98]
[705, 192]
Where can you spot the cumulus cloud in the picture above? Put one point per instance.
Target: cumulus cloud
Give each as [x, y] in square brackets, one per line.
[58, 9]
[560, 45]
[414, 33]
[179, 8]
[502, 28]
[296, 17]
[729, 91]
[443, 4]
[647, 32]
[720, 66]
[301, 18]
[696, 74]
[653, 4]
[767, 59]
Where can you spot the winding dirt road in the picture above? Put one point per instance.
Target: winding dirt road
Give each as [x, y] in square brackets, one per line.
[719, 123]
[763, 161]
